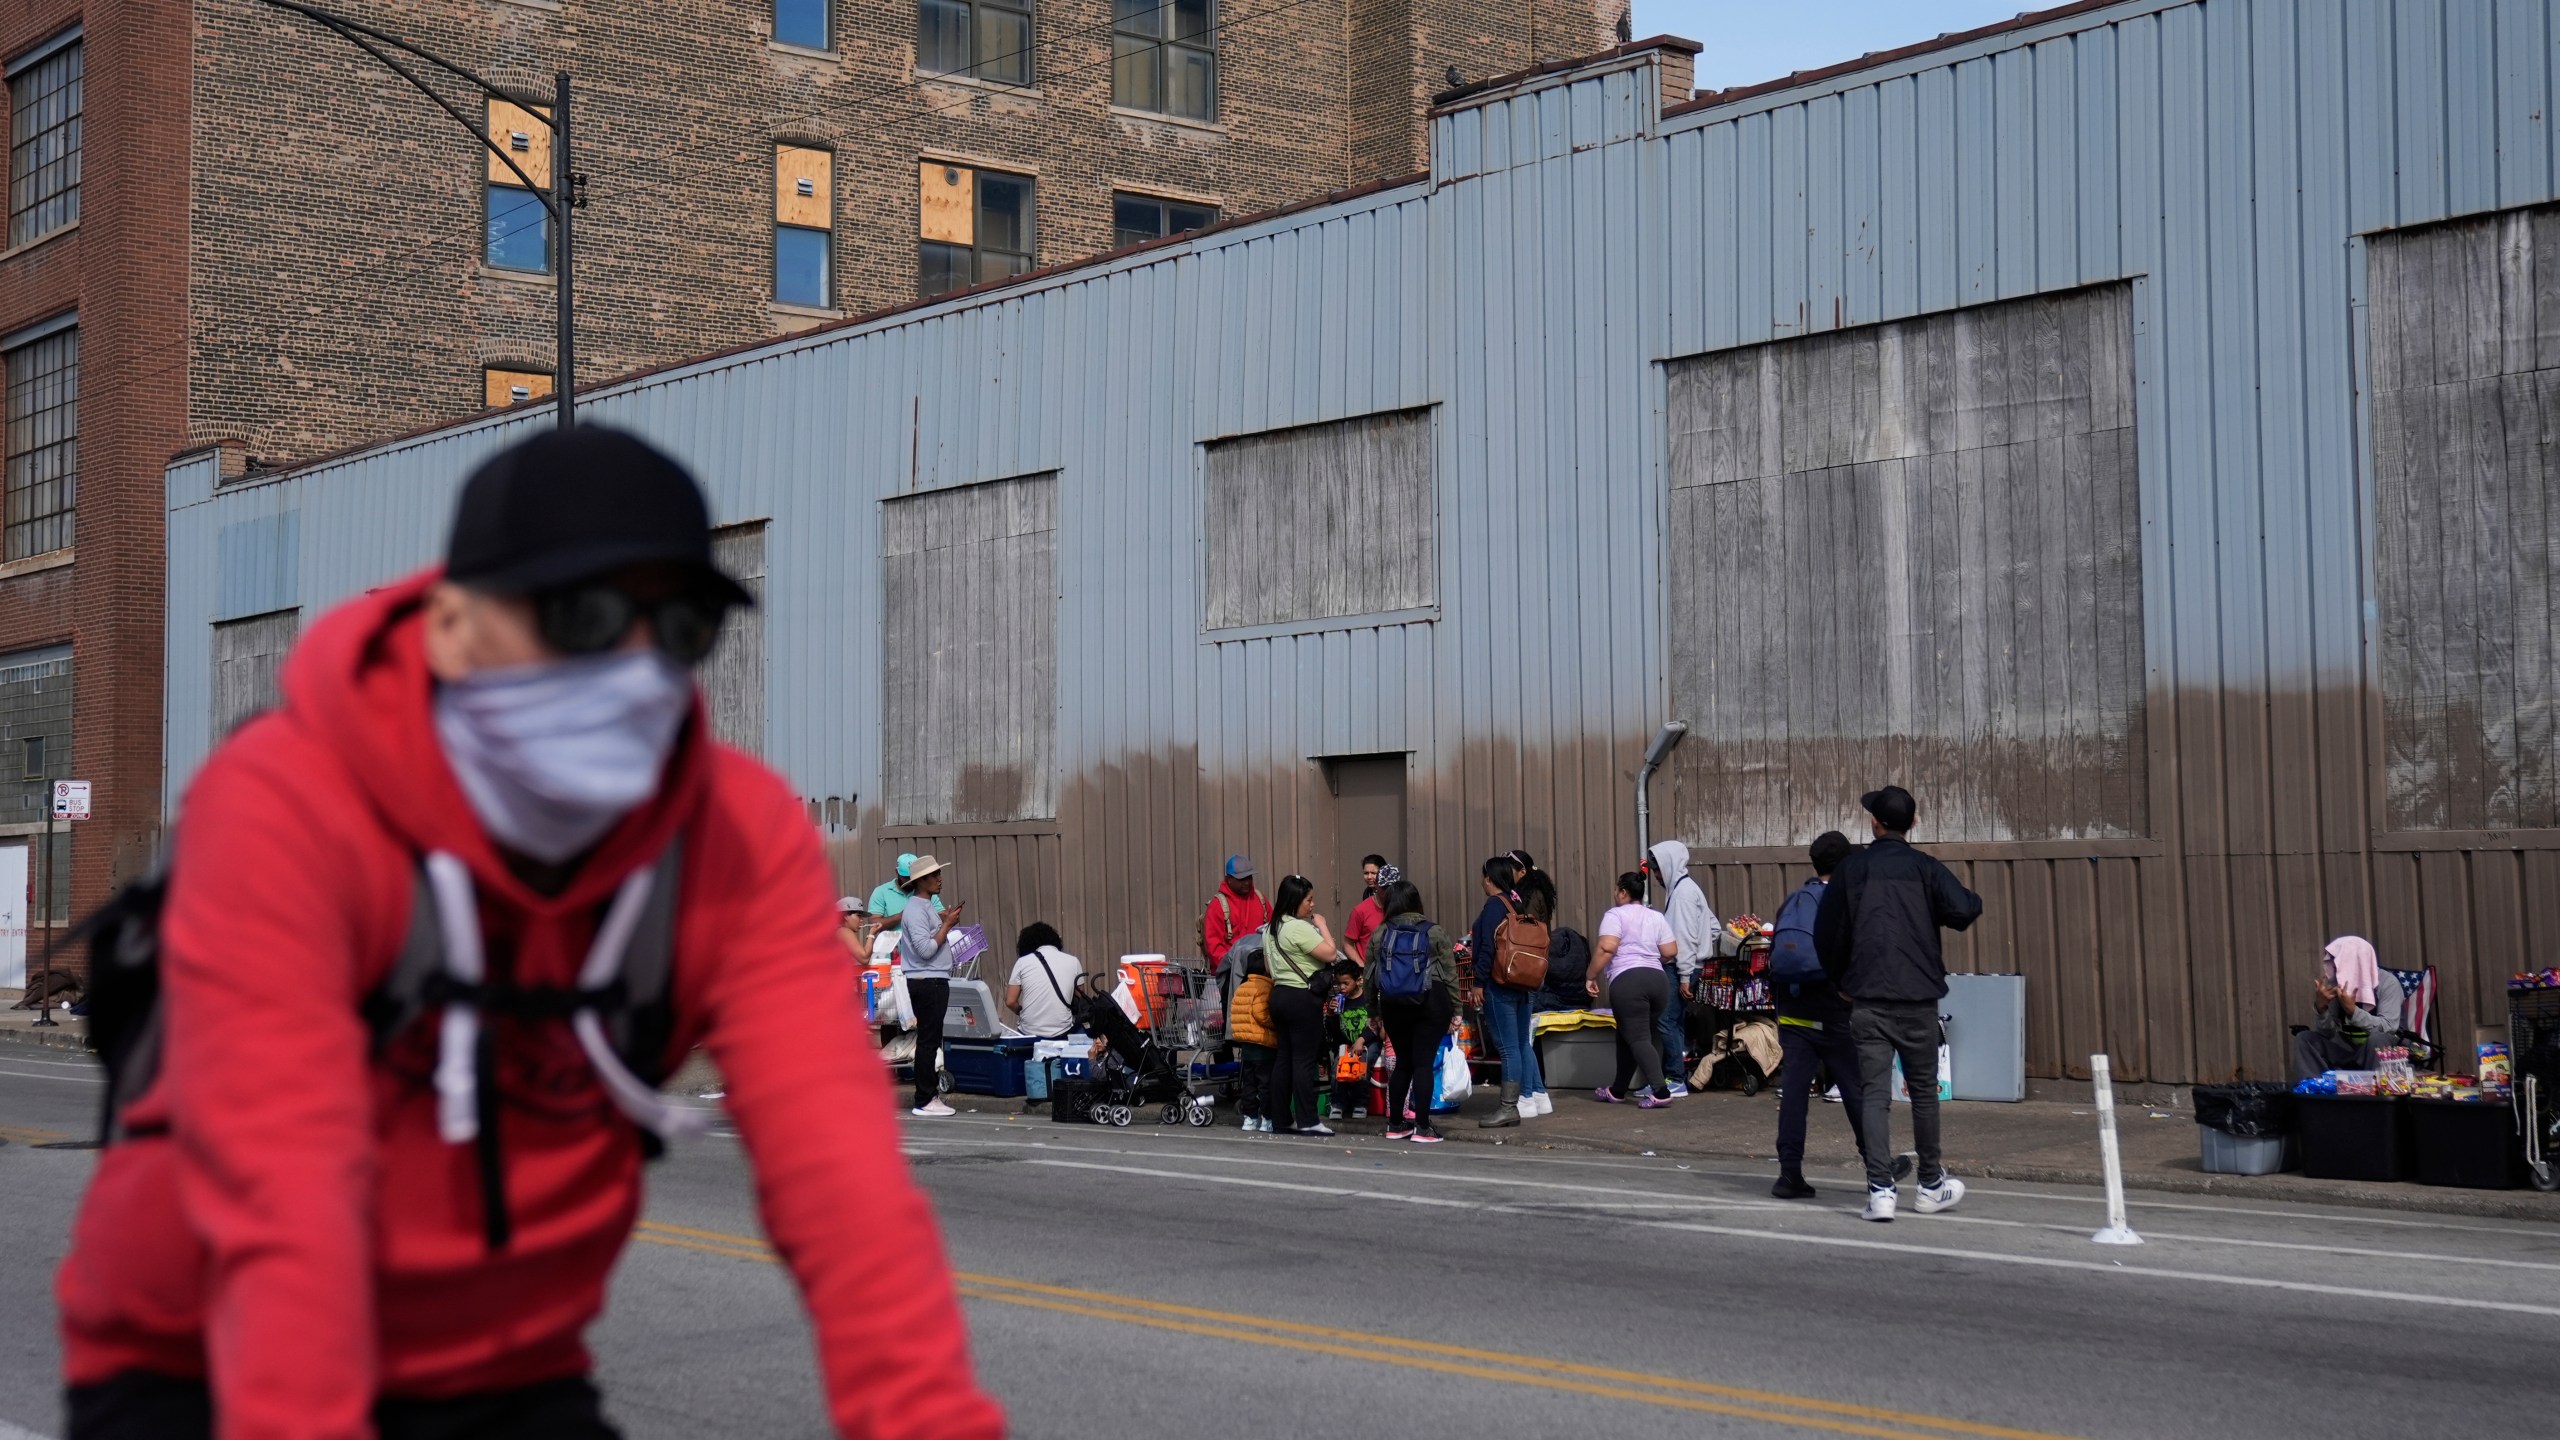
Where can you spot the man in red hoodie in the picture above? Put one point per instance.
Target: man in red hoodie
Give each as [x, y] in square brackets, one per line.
[315, 1230]
[1236, 909]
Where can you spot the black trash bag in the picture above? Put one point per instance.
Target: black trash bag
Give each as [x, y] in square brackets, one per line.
[2253, 1109]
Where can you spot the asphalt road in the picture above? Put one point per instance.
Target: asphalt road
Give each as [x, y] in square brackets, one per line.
[1175, 1282]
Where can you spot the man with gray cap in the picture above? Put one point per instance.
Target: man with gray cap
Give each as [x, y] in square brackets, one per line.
[1877, 936]
[433, 931]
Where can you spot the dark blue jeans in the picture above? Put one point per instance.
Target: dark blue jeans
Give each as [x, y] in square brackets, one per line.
[1673, 1028]
[1803, 1048]
[1506, 1015]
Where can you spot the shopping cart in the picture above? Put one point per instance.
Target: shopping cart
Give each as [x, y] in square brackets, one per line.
[1190, 1020]
[2533, 1050]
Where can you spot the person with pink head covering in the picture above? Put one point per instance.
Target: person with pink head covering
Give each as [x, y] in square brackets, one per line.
[2357, 1006]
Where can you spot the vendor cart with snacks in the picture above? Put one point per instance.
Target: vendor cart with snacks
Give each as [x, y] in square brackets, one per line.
[1742, 1016]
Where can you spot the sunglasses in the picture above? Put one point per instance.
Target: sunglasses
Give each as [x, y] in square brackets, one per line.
[591, 619]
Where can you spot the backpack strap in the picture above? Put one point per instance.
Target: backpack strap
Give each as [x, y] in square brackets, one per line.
[643, 1025]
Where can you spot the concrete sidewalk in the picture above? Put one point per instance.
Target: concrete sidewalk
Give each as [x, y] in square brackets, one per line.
[2043, 1141]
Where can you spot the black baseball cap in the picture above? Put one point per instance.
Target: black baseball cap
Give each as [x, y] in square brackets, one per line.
[1893, 805]
[571, 505]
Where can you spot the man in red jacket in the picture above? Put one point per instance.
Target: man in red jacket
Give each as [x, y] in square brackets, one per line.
[1236, 909]
[317, 1231]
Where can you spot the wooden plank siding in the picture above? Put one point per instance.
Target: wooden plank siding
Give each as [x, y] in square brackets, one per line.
[969, 723]
[2466, 407]
[733, 678]
[248, 656]
[1320, 522]
[1912, 553]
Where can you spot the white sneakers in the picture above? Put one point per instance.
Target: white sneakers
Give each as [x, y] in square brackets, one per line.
[1250, 1125]
[1533, 1106]
[934, 1108]
[1931, 1199]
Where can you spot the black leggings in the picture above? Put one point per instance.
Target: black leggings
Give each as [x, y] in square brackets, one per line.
[929, 998]
[1637, 999]
[1297, 1024]
[1414, 1027]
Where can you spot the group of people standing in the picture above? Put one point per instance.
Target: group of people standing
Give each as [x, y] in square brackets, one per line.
[1862, 1000]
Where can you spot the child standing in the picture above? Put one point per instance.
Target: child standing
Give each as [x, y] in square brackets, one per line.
[1249, 1027]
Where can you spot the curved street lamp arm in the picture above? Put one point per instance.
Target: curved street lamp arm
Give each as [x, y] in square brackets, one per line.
[370, 41]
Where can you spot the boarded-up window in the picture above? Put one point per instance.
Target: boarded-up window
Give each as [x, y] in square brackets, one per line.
[1912, 554]
[248, 655]
[2466, 461]
[1321, 521]
[733, 678]
[969, 726]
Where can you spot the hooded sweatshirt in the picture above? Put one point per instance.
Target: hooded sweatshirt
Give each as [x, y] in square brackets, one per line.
[297, 1232]
[1693, 920]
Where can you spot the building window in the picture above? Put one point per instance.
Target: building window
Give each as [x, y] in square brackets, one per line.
[519, 229]
[803, 225]
[988, 39]
[44, 140]
[43, 435]
[1137, 219]
[801, 22]
[502, 388]
[976, 227]
[35, 718]
[1164, 56]
[34, 767]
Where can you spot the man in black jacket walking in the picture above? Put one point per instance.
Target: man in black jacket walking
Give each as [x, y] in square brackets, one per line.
[1877, 934]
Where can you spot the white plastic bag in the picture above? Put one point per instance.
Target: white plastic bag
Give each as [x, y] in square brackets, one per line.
[1455, 1079]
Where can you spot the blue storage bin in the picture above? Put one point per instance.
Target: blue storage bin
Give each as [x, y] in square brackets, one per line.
[987, 1067]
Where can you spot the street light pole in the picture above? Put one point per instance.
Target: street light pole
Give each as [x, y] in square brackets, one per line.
[564, 190]
[556, 202]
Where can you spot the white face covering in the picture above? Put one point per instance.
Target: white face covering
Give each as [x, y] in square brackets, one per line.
[551, 755]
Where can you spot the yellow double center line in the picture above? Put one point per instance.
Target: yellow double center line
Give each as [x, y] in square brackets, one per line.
[1536, 1372]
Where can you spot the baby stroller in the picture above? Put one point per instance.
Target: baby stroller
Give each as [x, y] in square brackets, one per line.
[1136, 1071]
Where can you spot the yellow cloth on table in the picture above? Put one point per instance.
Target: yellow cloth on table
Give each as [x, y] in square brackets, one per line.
[1549, 1020]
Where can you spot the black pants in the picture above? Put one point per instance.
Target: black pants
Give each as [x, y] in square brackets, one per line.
[929, 999]
[1414, 1027]
[138, 1405]
[2315, 1051]
[1637, 999]
[1253, 1076]
[1297, 1022]
[1805, 1048]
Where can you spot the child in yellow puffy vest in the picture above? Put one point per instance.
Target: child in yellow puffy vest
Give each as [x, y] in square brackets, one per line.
[1249, 1029]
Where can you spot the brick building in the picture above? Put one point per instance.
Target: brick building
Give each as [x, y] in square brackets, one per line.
[229, 226]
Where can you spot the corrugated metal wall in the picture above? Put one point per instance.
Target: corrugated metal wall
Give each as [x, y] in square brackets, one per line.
[2222, 157]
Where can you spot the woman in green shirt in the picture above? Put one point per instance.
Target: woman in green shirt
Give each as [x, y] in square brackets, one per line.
[1299, 948]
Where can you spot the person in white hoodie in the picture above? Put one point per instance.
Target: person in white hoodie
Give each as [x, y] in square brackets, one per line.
[1695, 926]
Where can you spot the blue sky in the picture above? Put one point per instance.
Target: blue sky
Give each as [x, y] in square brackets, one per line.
[1753, 40]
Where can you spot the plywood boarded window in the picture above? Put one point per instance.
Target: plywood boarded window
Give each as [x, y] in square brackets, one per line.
[1911, 553]
[248, 656]
[1321, 521]
[969, 725]
[733, 678]
[2466, 460]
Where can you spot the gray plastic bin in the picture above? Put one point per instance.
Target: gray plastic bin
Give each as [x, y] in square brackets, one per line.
[2240, 1154]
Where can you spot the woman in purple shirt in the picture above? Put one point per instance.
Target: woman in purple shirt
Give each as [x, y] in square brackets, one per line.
[1627, 967]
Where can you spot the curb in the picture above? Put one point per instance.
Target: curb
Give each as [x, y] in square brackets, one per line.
[68, 1035]
[2419, 1199]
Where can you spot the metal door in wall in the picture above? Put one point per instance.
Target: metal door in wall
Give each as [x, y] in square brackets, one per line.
[1368, 818]
[14, 895]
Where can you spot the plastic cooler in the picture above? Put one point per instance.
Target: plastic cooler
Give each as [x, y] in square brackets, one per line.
[987, 1067]
[1584, 1059]
[2466, 1144]
[2352, 1137]
[2240, 1154]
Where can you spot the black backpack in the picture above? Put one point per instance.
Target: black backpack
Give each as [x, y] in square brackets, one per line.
[636, 1008]
[1568, 966]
